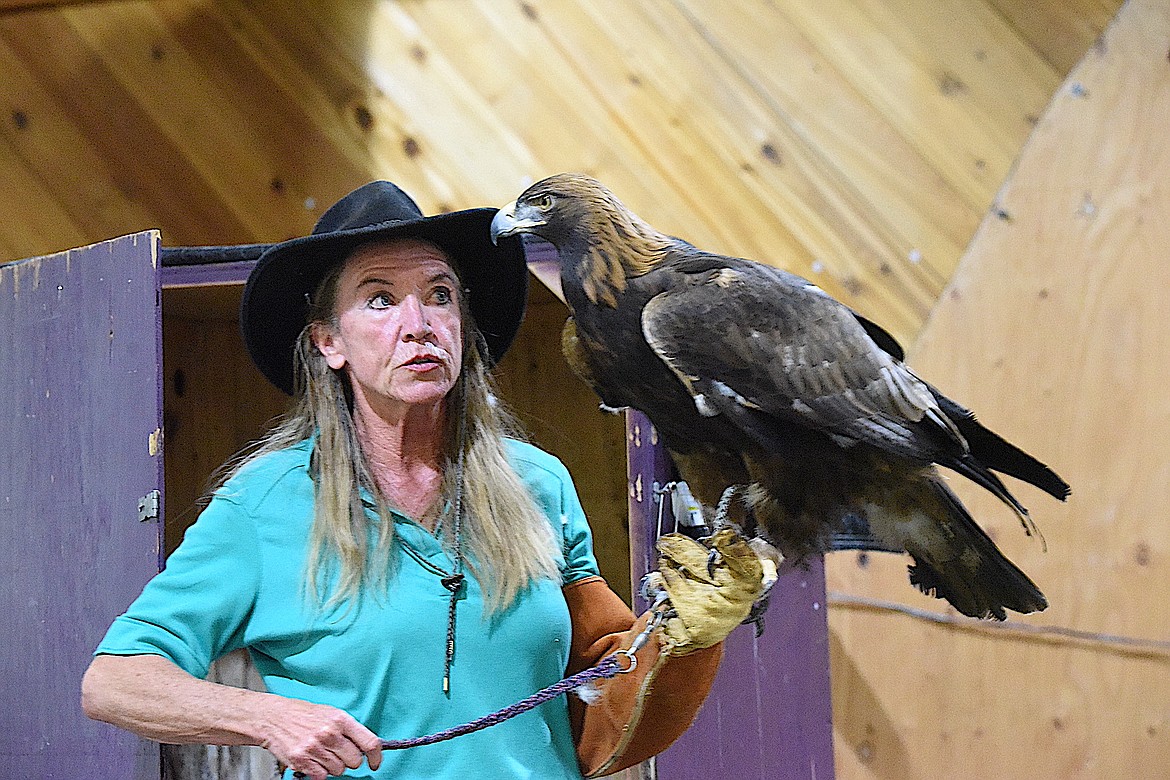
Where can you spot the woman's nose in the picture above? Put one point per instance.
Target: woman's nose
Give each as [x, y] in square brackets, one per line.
[414, 319]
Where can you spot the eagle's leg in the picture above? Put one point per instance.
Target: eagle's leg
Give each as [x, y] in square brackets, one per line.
[724, 507]
[770, 557]
[720, 521]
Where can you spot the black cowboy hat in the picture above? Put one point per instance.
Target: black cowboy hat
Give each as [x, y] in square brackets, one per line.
[275, 304]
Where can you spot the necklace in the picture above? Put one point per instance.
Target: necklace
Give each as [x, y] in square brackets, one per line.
[451, 580]
[454, 581]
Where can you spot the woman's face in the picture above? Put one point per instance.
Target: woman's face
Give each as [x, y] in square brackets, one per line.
[398, 326]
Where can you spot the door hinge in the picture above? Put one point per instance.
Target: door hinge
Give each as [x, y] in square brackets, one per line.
[148, 506]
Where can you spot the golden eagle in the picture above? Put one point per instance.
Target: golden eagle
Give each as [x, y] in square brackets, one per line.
[754, 376]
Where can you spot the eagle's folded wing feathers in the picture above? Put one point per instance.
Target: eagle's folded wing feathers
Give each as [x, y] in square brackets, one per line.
[792, 353]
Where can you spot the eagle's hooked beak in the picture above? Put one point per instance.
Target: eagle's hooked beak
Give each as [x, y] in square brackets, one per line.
[506, 223]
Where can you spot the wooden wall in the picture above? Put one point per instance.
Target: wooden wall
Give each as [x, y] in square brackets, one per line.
[1055, 328]
[214, 400]
[857, 142]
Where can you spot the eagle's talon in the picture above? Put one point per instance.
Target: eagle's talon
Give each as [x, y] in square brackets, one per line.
[759, 608]
[756, 616]
[714, 558]
[652, 587]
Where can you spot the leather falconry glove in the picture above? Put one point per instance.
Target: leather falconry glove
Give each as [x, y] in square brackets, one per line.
[711, 588]
[639, 714]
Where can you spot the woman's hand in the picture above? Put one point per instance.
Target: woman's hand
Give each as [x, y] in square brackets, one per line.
[149, 695]
[317, 741]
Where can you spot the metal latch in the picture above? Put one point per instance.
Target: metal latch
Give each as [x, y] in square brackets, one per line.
[148, 506]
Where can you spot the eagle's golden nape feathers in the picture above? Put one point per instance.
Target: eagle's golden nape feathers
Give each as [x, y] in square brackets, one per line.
[753, 375]
[622, 243]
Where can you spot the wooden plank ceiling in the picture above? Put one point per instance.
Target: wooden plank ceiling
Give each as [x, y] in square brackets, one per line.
[857, 142]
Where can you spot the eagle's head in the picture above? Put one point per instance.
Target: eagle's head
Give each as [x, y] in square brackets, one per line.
[563, 210]
[601, 243]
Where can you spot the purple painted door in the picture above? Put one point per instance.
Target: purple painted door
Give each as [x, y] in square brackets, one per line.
[80, 344]
[769, 715]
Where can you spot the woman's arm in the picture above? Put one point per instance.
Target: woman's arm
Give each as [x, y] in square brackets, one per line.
[636, 715]
[154, 698]
[711, 588]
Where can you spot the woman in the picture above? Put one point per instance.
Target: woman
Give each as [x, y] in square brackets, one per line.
[394, 563]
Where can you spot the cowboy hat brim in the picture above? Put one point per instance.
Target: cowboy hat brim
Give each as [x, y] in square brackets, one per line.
[275, 308]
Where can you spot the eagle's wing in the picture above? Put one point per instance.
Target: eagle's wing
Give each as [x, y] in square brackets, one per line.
[577, 348]
[754, 342]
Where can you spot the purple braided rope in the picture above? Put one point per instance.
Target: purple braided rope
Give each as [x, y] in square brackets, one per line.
[608, 667]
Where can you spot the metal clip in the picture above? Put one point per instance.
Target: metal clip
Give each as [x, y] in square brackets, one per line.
[686, 512]
[631, 658]
[641, 639]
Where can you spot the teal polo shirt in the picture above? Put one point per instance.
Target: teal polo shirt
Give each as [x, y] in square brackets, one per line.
[236, 581]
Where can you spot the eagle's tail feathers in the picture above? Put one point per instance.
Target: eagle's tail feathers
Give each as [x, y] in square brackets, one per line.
[971, 573]
[985, 478]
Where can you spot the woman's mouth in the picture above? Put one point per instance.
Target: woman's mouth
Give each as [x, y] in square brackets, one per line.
[422, 363]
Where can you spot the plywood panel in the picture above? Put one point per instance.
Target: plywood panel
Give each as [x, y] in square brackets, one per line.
[163, 64]
[805, 88]
[192, 68]
[1055, 329]
[49, 46]
[215, 401]
[1060, 31]
[687, 142]
[36, 168]
[38, 219]
[938, 70]
[916, 701]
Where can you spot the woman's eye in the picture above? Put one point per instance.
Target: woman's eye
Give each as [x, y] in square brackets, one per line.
[380, 301]
[444, 295]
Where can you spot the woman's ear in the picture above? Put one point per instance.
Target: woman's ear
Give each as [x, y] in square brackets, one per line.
[329, 344]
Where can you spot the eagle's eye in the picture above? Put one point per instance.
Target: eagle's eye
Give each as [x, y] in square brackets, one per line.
[543, 202]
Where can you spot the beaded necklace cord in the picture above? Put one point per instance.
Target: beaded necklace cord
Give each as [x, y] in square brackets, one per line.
[453, 580]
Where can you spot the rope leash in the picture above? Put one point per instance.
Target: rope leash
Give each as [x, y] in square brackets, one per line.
[607, 668]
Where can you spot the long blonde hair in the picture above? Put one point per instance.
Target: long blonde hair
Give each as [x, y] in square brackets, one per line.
[508, 542]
